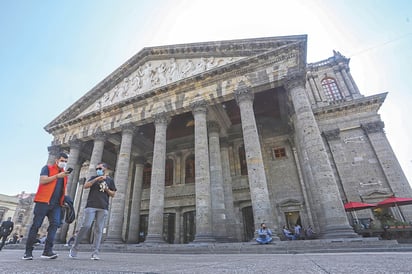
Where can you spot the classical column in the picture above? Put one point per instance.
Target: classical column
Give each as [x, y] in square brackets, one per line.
[136, 201]
[204, 230]
[308, 135]
[72, 180]
[157, 187]
[73, 162]
[231, 224]
[117, 211]
[178, 225]
[97, 153]
[53, 152]
[216, 184]
[262, 210]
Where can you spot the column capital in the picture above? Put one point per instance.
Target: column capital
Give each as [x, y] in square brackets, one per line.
[161, 118]
[213, 126]
[53, 149]
[333, 134]
[128, 128]
[373, 127]
[242, 93]
[295, 79]
[199, 106]
[139, 160]
[75, 143]
[100, 135]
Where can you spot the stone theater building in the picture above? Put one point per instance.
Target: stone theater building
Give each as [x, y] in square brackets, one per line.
[208, 140]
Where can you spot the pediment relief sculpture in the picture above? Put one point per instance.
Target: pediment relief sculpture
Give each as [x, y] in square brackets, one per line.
[154, 74]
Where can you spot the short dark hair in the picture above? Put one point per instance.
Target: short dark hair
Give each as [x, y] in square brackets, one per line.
[62, 155]
[103, 164]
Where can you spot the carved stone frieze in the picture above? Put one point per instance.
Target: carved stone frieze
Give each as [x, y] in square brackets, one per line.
[157, 73]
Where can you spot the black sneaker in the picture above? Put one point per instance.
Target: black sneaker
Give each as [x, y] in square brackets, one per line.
[27, 256]
[49, 255]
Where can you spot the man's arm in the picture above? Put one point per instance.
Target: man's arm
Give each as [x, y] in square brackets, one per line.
[45, 179]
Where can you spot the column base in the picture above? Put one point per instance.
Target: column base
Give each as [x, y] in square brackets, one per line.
[332, 232]
[204, 239]
[154, 239]
[114, 240]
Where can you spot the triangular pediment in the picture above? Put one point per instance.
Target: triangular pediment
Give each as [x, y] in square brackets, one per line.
[157, 67]
[157, 73]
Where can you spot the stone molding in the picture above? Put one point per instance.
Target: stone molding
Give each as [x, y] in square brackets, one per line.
[373, 127]
[333, 134]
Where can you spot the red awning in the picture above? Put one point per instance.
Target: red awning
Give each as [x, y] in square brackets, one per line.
[395, 201]
[352, 206]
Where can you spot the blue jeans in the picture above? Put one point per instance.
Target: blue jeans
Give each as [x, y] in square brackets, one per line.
[91, 213]
[41, 210]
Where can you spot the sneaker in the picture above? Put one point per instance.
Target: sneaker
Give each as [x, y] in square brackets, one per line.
[95, 257]
[49, 255]
[73, 252]
[27, 256]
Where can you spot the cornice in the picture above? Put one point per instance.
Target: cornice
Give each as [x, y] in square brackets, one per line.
[374, 100]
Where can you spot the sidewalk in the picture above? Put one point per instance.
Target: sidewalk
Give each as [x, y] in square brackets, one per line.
[114, 262]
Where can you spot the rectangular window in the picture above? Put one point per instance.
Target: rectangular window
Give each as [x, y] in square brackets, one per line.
[279, 152]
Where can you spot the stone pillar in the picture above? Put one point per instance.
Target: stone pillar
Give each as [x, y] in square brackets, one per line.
[231, 224]
[53, 152]
[390, 166]
[72, 180]
[204, 230]
[262, 209]
[136, 201]
[216, 184]
[117, 211]
[178, 225]
[97, 153]
[308, 135]
[157, 188]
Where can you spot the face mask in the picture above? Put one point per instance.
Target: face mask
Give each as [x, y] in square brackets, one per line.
[62, 165]
[99, 172]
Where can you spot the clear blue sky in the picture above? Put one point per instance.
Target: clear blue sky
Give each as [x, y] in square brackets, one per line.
[53, 52]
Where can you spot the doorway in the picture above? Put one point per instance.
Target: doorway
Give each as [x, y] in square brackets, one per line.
[189, 226]
[248, 224]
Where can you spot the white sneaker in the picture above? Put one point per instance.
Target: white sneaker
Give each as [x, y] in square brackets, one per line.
[95, 257]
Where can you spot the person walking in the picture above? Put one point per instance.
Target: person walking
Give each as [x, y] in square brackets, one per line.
[5, 230]
[102, 187]
[49, 200]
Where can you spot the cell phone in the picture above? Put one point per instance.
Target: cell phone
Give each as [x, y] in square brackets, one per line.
[69, 170]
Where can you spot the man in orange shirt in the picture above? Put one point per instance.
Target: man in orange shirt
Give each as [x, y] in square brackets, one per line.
[49, 200]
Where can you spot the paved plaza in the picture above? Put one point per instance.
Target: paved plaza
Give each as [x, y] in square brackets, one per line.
[113, 262]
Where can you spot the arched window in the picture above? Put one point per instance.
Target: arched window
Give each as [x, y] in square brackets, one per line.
[147, 175]
[169, 172]
[190, 169]
[242, 160]
[331, 89]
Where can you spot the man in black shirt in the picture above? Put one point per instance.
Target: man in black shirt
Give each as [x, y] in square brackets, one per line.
[101, 188]
[5, 230]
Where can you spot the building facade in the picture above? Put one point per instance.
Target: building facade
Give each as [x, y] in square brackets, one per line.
[208, 140]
